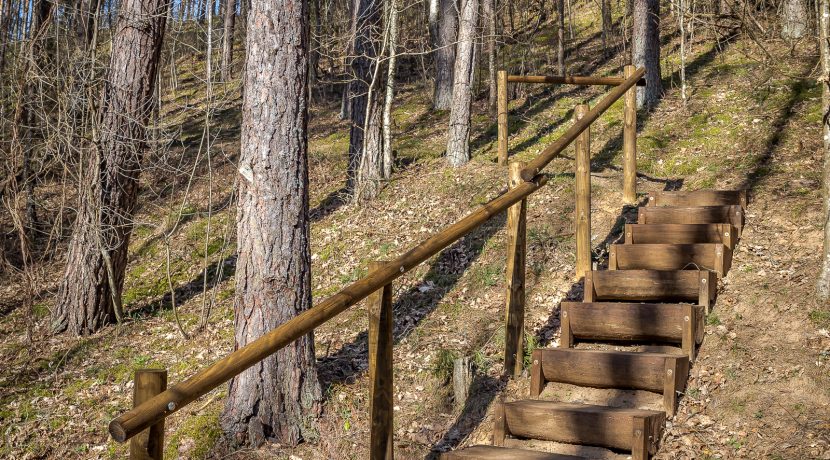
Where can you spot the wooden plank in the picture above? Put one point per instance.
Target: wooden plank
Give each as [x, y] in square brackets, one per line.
[499, 424]
[381, 381]
[698, 198]
[503, 453]
[604, 368]
[537, 380]
[574, 423]
[630, 142]
[731, 214]
[647, 285]
[582, 212]
[707, 287]
[676, 373]
[149, 444]
[572, 80]
[566, 339]
[502, 117]
[709, 256]
[680, 234]
[516, 261]
[626, 321]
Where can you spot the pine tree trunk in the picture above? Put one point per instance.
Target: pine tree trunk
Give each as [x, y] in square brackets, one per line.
[445, 54]
[560, 36]
[793, 19]
[97, 258]
[645, 50]
[458, 136]
[824, 56]
[279, 398]
[365, 136]
[489, 13]
[227, 39]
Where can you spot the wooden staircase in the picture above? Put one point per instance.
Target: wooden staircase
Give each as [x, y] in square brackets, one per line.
[658, 288]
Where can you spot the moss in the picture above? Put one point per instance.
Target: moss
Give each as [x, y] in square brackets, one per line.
[202, 429]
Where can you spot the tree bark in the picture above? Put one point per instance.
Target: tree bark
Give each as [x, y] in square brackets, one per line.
[279, 398]
[560, 36]
[606, 25]
[392, 38]
[793, 19]
[489, 13]
[645, 50]
[365, 136]
[823, 287]
[90, 292]
[227, 39]
[445, 49]
[458, 137]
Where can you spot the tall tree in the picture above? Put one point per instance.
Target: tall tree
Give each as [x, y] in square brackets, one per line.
[793, 18]
[824, 56]
[560, 36]
[606, 25]
[90, 293]
[444, 56]
[458, 136]
[489, 13]
[392, 46]
[227, 39]
[645, 50]
[365, 169]
[279, 397]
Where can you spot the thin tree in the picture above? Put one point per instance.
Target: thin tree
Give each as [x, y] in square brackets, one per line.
[606, 25]
[824, 55]
[392, 40]
[90, 293]
[444, 56]
[278, 398]
[488, 8]
[645, 50]
[560, 36]
[458, 136]
[227, 39]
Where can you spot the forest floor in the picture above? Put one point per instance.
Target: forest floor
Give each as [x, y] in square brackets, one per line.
[759, 389]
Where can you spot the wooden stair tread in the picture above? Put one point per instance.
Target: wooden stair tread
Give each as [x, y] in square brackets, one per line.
[698, 198]
[681, 234]
[497, 453]
[667, 256]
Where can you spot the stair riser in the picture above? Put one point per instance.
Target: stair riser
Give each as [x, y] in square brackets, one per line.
[659, 286]
[715, 257]
[680, 234]
[698, 198]
[692, 215]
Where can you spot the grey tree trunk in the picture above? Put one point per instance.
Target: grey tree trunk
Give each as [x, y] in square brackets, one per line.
[824, 50]
[392, 38]
[90, 292]
[645, 50]
[606, 25]
[365, 134]
[793, 19]
[279, 398]
[560, 36]
[444, 56]
[489, 14]
[458, 136]
[227, 39]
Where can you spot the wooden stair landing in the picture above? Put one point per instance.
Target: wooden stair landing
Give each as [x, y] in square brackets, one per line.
[660, 285]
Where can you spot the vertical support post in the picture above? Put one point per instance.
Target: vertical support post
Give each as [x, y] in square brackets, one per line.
[583, 196]
[502, 117]
[516, 258]
[149, 444]
[630, 141]
[380, 371]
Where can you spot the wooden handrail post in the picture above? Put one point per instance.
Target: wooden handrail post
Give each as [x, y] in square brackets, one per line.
[630, 142]
[149, 444]
[380, 371]
[582, 213]
[516, 260]
[502, 117]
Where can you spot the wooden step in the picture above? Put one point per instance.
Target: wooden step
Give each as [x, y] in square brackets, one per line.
[651, 285]
[681, 234]
[698, 198]
[709, 256]
[633, 322]
[731, 214]
[503, 453]
[635, 430]
[656, 372]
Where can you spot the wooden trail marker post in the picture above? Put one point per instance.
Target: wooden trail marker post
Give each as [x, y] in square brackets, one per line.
[516, 259]
[149, 444]
[502, 117]
[630, 141]
[582, 213]
[380, 371]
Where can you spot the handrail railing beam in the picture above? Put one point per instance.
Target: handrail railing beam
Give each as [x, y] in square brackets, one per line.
[571, 80]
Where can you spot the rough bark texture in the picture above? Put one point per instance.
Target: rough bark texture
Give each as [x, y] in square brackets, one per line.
[793, 18]
[445, 51]
[109, 181]
[606, 25]
[560, 36]
[279, 398]
[489, 13]
[824, 48]
[227, 39]
[645, 50]
[458, 136]
[365, 136]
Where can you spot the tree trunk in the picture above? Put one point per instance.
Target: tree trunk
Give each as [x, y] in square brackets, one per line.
[606, 25]
[83, 24]
[793, 19]
[489, 13]
[90, 293]
[445, 54]
[365, 137]
[227, 39]
[458, 137]
[346, 96]
[388, 158]
[645, 50]
[824, 49]
[560, 36]
[279, 398]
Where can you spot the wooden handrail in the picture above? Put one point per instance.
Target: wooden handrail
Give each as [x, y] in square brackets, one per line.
[571, 80]
[550, 152]
[162, 405]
